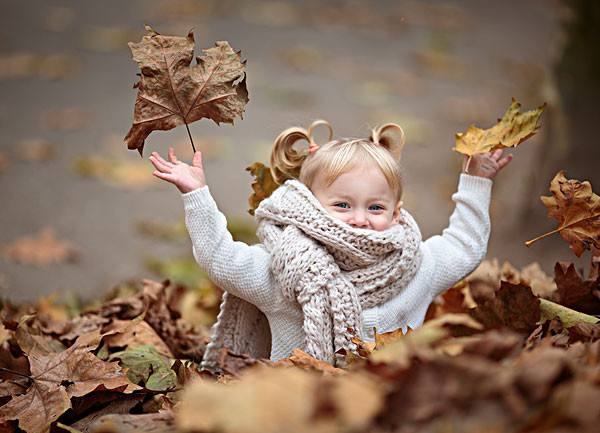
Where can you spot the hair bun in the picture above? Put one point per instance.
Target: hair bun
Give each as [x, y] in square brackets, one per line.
[285, 159]
[390, 136]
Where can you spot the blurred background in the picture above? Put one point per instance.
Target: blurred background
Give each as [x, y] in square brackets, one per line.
[81, 213]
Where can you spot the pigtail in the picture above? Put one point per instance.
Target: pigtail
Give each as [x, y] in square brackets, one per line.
[391, 137]
[285, 159]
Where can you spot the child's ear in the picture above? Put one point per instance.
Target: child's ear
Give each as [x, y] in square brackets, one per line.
[396, 214]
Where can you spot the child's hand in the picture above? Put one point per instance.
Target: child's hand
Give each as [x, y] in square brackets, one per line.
[486, 164]
[185, 177]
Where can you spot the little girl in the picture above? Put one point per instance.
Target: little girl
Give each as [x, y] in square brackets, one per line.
[338, 253]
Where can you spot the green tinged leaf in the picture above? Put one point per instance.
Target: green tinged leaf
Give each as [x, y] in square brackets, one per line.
[146, 366]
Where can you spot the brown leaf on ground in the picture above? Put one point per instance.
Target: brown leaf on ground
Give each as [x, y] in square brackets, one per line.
[160, 422]
[575, 292]
[577, 209]
[120, 406]
[80, 370]
[162, 302]
[281, 399]
[587, 332]
[172, 93]
[43, 403]
[138, 335]
[40, 250]
[263, 185]
[304, 361]
[512, 305]
[518, 307]
[511, 130]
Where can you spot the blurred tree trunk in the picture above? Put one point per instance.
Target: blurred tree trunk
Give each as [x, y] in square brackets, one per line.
[573, 115]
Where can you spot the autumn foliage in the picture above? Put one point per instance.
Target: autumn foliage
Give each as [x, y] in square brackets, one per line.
[503, 350]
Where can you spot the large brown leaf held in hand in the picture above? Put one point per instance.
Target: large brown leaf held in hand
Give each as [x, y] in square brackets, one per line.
[172, 93]
[577, 209]
[511, 130]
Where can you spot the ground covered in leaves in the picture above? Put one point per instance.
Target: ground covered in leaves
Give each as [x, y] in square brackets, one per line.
[504, 350]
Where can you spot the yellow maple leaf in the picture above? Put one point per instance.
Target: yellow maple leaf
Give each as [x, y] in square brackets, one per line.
[513, 128]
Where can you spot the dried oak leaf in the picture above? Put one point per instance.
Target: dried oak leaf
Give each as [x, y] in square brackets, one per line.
[263, 185]
[172, 93]
[511, 130]
[577, 209]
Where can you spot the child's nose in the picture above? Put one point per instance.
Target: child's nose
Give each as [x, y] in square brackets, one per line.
[359, 219]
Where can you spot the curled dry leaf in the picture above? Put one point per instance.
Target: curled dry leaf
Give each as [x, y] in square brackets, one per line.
[263, 185]
[40, 250]
[511, 130]
[172, 93]
[577, 209]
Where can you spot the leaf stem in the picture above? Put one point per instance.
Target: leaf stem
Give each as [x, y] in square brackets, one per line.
[528, 243]
[467, 165]
[190, 135]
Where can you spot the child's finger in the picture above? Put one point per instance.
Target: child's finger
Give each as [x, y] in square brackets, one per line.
[504, 161]
[197, 159]
[497, 154]
[172, 156]
[161, 159]
[165, 176]
[160, 165]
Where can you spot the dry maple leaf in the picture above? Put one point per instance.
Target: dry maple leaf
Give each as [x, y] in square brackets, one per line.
[263, 185]
[172, 93]
[577, 209]
[58, 376]
[38, 408]
[513, 128]
[42, 250]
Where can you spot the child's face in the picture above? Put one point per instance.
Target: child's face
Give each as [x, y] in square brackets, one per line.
[360, 197]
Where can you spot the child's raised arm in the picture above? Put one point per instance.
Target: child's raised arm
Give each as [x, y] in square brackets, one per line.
[463, 244]
[238, 268]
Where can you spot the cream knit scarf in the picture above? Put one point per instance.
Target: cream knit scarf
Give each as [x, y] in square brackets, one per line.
[332, 270]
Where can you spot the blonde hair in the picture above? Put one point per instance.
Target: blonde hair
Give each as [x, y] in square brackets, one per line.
[335, 157]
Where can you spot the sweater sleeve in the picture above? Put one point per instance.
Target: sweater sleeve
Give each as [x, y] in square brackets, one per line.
[463, 244]
[236, 267]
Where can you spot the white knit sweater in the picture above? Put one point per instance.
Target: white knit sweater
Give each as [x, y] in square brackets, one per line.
[244, 271]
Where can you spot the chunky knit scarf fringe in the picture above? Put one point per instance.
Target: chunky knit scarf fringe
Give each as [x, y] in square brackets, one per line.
[332, 270]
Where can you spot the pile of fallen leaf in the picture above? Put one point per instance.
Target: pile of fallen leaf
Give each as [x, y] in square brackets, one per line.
[503, 350]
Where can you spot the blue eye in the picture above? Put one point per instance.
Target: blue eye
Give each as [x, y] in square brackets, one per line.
[342, 205]
[376, 207]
